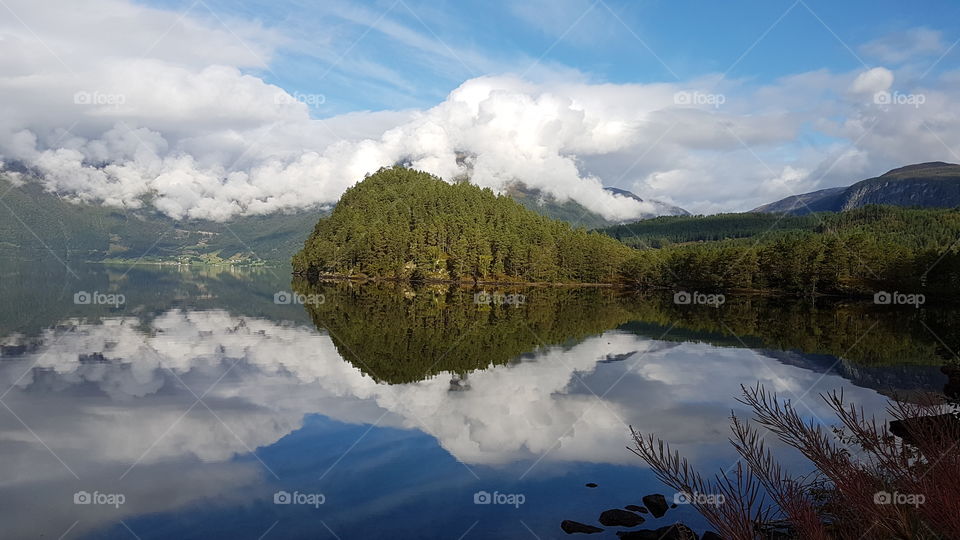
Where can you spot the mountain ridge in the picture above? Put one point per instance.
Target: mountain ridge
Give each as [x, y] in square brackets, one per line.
[934, 184]
[102, 233]
[578, 215]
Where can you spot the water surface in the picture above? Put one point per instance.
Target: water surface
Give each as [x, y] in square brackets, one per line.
[200, 399]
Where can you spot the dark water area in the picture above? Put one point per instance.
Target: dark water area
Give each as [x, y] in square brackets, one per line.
[178, 402]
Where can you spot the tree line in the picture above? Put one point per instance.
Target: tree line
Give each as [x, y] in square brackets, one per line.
[858, 251]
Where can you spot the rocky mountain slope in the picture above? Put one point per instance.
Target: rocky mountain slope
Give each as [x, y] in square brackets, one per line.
[928, 185]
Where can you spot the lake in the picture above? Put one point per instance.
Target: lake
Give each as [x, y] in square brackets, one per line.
[187, 402]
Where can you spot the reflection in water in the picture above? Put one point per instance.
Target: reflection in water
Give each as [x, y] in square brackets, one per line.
[106, 414]
[523, 394]
[398, 334]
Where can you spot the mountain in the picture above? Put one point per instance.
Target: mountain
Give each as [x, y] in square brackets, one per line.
[547, 205]
[660, 208]
[575, 213]
[34, 222]
[40, 220]
[930, 185]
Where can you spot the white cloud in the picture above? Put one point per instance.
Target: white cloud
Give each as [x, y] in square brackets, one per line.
[114, 110]
[282, 372]
[878, 79]
[899, 47]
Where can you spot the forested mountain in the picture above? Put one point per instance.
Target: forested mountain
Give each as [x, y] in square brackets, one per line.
[36, 221]
[406, 224]
[926, 185]
[41, 219]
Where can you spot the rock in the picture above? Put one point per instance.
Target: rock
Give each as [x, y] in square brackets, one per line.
[590, 485]
[943, 426]
[636, 508]
[13, 350]
[710, 535]
[677, 531]
[571, 527]
[620, 518]
[657, 504]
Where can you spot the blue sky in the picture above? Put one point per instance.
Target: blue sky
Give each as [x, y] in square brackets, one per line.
[392, 54]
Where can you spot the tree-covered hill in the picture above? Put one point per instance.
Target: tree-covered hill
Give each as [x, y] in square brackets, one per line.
[407, 224]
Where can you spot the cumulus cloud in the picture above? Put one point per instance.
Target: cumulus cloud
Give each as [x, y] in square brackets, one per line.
[873, 80]
[137, 106]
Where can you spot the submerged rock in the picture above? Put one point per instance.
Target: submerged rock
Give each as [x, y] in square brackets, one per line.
[590, 485]
[635, 508]
[677, 531]
[620, 518]
[571, 527]
[657, 504]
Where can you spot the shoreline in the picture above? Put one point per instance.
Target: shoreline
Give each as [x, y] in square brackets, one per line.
[770, 293]
[468, 282]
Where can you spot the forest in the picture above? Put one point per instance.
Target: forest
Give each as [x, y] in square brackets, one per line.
[406, 224]
[665, 231]
[409, 225]
[855, 252]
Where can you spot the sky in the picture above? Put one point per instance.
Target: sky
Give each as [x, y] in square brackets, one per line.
[212, 109]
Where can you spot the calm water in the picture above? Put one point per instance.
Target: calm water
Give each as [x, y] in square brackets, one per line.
[186, 407]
